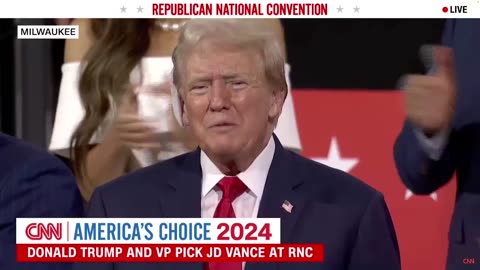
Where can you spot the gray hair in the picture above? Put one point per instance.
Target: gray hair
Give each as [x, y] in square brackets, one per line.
[239, 33]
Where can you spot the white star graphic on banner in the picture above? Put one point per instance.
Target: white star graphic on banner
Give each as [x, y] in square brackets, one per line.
[335, 160]
[409, 194]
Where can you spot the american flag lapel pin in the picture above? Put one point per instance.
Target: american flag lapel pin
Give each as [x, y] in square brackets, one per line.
[287, 206]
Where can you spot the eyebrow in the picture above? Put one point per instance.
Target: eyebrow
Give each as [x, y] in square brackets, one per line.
[207, 78]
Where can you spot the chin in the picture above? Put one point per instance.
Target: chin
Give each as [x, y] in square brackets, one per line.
[222, 148]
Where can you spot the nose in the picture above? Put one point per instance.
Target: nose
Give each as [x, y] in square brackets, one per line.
[220, 97]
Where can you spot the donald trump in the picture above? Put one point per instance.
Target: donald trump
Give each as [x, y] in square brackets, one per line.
[231, 79]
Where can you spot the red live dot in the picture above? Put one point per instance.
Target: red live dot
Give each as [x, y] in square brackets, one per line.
[445, 9]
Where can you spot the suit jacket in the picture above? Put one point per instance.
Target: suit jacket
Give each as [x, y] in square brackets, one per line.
[331, 207]
[462, 153]
[32, 184]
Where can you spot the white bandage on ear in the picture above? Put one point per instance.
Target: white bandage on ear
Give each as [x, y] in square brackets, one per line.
[286, 129]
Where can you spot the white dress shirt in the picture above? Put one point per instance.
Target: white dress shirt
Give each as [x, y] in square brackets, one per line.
[433, 146]
[247, 204]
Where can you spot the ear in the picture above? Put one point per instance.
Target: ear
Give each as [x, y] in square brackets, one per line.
[276, 105]
[177, 104]
[184, 115]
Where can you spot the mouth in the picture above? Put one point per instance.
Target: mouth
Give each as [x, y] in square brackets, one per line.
[222, 126]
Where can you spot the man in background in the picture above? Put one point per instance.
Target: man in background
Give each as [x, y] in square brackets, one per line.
[442, 133]
[231, 78]
[32, 184]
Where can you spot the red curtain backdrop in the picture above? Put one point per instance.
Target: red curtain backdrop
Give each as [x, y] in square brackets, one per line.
[355, 131]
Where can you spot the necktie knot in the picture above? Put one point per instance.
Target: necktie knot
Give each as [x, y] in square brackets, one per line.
[231, 187]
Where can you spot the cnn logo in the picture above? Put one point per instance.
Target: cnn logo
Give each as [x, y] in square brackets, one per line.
[39, 231]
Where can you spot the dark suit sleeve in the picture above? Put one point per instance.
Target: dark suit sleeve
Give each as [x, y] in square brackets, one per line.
[376, 246]
[40, 187]
[417, 171]
[96, 209]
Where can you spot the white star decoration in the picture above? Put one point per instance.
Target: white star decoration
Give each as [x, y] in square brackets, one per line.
[334, 159]
[409, 194]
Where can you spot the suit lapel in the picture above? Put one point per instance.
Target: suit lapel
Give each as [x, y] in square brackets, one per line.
[182, 199]
[280, 189]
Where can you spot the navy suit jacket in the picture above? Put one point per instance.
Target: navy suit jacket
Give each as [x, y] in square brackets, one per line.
[462, 153]
[331, 207]
[32, 184]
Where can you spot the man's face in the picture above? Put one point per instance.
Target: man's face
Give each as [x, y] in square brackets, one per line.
[228, 103]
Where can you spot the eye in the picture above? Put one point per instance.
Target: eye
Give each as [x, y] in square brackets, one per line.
[199, 88]
[238, 84]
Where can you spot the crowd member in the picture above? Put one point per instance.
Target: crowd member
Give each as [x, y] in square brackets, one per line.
[442, 133]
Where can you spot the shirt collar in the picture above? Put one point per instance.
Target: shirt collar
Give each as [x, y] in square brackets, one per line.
[254, 177]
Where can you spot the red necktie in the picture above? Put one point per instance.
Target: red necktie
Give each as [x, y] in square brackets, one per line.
[231, 188]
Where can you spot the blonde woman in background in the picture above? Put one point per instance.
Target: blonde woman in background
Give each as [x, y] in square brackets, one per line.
[116, 80]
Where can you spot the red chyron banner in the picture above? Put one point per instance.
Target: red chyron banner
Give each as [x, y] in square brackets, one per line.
[355, 131]
[169, 253]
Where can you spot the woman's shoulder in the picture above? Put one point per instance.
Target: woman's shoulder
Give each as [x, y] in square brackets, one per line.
[76, 49]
